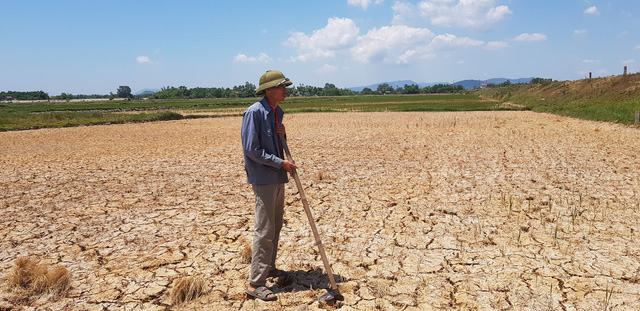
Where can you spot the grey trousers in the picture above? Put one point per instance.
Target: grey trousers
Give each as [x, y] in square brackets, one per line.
[269, 212]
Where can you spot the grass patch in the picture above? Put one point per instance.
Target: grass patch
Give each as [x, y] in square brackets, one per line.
[23, 121]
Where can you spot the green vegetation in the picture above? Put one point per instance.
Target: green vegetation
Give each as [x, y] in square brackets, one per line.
[124, 91]
[610, 99]
[19, 121]
[18, 116]
[37, 95]
[248, 90]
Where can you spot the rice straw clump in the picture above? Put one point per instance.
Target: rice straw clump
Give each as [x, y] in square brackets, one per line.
[29, 278]
[187, 289]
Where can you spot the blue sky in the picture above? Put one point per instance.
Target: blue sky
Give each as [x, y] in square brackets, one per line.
[92, 47]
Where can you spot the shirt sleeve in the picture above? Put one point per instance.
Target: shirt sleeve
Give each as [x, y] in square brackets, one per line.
[251, 142]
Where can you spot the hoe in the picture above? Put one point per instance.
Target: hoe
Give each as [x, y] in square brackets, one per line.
[333, 294]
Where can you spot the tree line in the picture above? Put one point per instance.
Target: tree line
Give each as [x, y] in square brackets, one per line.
[249, 90]
[35, 95]
[329, 89]
[508, 82]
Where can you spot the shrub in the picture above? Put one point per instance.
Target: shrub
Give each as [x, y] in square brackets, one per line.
[169, 115]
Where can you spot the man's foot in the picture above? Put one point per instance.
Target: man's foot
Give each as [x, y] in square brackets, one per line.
[262, 293]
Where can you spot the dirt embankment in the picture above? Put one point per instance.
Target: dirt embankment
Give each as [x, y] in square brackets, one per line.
[597, 91]
[486, 211]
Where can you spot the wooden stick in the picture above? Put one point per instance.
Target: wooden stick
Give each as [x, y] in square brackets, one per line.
[312, 222]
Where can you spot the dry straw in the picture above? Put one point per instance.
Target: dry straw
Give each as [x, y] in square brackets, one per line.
[246, 253]
[29, 278]
[187, 289]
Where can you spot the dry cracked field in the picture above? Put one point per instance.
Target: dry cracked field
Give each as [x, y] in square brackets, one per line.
[418, 211]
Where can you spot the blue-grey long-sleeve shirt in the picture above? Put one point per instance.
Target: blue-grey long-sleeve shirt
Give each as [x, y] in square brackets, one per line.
[263, 154]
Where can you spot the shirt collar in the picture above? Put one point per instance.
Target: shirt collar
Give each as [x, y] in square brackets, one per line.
[266, 106]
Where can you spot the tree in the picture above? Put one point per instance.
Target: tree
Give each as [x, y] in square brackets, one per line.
[442, 88]
[505, 83]
[366, 91]
[540, 81]
[384, 88]
[65, 96]
[246, 90]
[124, 92]
[330, 90]
[411, 89]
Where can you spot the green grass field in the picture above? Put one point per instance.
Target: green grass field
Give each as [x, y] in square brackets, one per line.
[20, 116]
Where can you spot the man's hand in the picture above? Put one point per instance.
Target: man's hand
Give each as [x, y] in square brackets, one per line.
[280, 129]
[289, 166]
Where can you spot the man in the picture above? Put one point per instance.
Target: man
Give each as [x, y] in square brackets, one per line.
[266, 173]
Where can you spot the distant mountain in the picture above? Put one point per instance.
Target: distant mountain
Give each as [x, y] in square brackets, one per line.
[467, 84]
[514, 81]
[146, 92]
[470, 84]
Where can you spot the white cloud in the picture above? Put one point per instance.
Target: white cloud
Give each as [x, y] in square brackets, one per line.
[637, 47]
[497, 45]
[590, 61]
[363, 3]
[405, 14]
[451, 13]
[396, 44]
[340, 33]
[526, 37]
[591, 11]
[262, 58]
[628, 61]
[579, 32]
[392, 44]
[143, 60]
[327, 69]
[407, 57]
[451, 41]
[461, 62]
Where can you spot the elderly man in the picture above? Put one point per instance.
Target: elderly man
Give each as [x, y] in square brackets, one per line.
[266, 173]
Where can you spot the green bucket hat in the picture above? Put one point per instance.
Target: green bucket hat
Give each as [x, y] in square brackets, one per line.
[272, 78]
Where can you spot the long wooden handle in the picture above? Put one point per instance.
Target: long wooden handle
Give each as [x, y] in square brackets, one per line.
[312, 222]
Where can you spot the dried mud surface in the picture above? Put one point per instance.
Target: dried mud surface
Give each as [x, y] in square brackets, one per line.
[417, 211]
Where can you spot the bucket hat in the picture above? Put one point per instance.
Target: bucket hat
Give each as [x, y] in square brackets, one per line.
[272, 78]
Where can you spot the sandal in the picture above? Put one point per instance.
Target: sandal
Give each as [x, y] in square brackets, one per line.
[262, 293]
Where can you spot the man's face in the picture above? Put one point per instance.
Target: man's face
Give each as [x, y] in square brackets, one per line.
[278, 93]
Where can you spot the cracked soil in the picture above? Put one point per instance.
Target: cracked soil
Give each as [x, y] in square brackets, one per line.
[417, 211]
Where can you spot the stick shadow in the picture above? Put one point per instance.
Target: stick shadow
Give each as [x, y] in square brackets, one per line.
[300, 280]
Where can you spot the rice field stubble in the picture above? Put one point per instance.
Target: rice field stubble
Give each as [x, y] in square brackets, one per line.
[475, 210]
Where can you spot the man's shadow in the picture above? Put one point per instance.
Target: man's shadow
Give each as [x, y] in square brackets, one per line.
[297, 281]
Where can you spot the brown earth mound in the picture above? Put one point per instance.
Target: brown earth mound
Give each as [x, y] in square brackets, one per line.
[480, 211]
